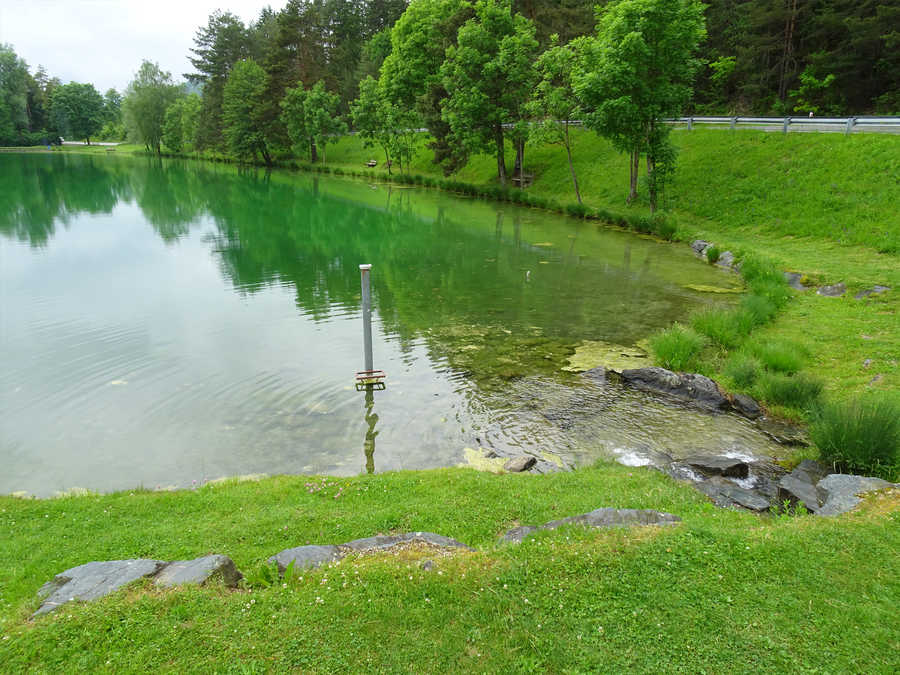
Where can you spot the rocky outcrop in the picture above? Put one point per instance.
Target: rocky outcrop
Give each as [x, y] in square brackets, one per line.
[841, 491]
[199, 571]
[305, 557]
[94, 580]
[311, 556]
[726, 494]
[601, 518]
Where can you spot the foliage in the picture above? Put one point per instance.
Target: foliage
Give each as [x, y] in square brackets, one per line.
[678, 348]
[379, 121]
[637, 72]
[860, 436]
[13, 96]
[712, 254]
[311, 117]
[815, 95]
[554, 103]
[147, 98]
[742, 369]
[242, 105]
[489, 77]
[77, 110]
[181, 123]
[778, 355]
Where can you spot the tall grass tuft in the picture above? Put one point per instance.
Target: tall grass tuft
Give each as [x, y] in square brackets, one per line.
[723, 327]
[743, 370]
[860, 436]
[712, 254]
[800, 391]
[678, 348]
[779, 355]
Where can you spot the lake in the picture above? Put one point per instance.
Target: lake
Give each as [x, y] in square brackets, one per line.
[168, 322]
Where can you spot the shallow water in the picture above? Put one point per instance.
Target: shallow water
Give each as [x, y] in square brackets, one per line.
[170, 322]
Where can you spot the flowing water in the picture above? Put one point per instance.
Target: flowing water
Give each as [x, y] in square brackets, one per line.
[168, 322]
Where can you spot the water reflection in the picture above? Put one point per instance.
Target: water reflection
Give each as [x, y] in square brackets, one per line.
[193, 320]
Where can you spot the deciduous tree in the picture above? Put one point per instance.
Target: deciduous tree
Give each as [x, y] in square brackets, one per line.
[147, 98]
[77, 110]
[242, 107]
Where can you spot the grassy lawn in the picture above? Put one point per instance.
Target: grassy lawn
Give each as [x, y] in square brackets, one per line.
[722, 592]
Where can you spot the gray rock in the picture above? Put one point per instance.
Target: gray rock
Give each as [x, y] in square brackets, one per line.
[871, 291]
[793, 280]
[690, 387]
[605, 517]
[199, 571]
[726, 259]
[811, 471]
[841, 491]
[718, 466]
[520, 463]
[542, 466]
[427, 565]
[726, 494]
[700, 246]
[384, 542]
[93, 580]
[833, 291]
[794, 489]
[305, 557]
[746, 406]
[597, 374]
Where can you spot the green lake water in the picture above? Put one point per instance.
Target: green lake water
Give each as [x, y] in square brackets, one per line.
[164, 323]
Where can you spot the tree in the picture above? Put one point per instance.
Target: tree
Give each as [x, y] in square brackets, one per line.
[311, 117]
[637, 72]
[77, 110]
[218, 46]
[147, 98]
[242, 105]
[14, 78]
[554, 103]
[411, 74]
[181, 120]
[381, 122]
[489, 77]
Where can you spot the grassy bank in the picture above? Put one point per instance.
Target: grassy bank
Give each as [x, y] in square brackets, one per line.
[722, 592]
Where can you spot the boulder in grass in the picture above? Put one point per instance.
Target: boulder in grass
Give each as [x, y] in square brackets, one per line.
[600, 518]
[199, 571]
[305, 557]
[520, 463]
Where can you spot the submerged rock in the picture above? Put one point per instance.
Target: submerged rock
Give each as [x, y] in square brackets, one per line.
[712, 465]
[746, 406]
[700, 246]
[782, 432]
[604, 517]
[726, 259]
[689, 387]
[794, 280]
[520, 463]
[833, 291]
[94, 580]
[593, 353]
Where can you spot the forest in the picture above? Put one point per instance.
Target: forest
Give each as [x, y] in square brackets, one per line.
[476, 75]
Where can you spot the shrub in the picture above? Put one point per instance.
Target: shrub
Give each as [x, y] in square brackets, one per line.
[779, 356]
[743, 370]
[799, 391]
[664, 228]
[860, 436]
[677, 348]
[712, 254]
[759, 308]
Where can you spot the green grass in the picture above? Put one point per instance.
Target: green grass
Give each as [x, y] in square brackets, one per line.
[860, 436]
[722, 592]
[800, 392]
[678, 348]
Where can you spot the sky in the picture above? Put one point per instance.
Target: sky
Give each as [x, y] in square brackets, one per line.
[104, 41]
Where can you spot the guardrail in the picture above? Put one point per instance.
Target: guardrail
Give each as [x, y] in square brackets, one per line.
[846, 124]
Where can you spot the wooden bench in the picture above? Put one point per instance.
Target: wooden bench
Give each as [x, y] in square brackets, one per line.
[372, 163]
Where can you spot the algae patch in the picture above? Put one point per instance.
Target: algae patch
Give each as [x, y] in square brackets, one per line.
[480, 461]
[703, 288]
[593, 353]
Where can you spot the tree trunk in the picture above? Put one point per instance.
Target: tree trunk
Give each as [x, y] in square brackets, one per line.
[651, 182]
[267, 158]
[520, 161]
[501, 160]
[635, 167]
[571, 165]
[387, 160]
[313, 155]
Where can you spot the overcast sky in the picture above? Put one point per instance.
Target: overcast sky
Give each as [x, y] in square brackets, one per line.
[104, 41]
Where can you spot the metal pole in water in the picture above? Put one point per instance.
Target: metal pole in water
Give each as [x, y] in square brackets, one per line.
[367, 315]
